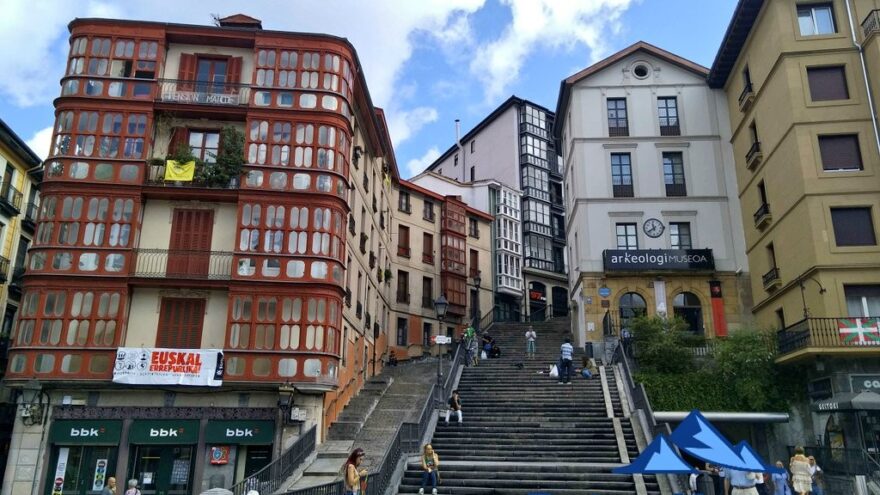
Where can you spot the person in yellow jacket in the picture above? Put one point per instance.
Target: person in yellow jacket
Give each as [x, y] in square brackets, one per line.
[430, 463]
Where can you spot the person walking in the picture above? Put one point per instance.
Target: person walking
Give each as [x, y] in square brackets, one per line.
[352, 474]
[531, 337]
[454, 405]
[780, 481]
[626, 338]
[132, 488]
[110, 487]
[565, 368]
[430, 464]
[818, 484]
[801, 477]
[741, 482]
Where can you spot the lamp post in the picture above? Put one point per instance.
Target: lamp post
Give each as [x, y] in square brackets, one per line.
[803, 295]
[440, 306]
[477, 315]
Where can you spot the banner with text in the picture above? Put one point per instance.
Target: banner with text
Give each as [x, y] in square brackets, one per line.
[146, 366]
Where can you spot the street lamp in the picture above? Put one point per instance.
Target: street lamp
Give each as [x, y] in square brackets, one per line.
[477, 281]
[440, 306]
[803, 295]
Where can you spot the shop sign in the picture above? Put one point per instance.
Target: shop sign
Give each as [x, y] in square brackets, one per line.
[220, 454]
[658, 260]
[86, 431]
[171, 431]
[860, 383]
[60, 469]
[535, 295]
[240, 432]
[145, 366]
[100, 475]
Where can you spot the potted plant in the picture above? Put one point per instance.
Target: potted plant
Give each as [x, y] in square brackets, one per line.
[229, 161]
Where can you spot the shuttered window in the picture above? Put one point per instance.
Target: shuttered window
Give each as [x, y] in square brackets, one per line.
[853, 226]
[840, 152]
[180, 323]
[827, 83]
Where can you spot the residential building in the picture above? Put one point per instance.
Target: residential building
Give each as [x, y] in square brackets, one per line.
[210, 256]
[653, 215]
[804, 134]
[442, 246]
[503, 282]
[19, 201]
[514, 145]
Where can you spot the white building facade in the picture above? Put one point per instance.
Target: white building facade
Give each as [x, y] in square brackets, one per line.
[653, 213]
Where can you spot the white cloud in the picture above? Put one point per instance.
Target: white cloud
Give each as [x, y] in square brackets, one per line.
[544, 24]
[418, 165]
[40, 142]
[405, 123]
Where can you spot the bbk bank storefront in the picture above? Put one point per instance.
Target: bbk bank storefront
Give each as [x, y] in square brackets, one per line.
[165, 456]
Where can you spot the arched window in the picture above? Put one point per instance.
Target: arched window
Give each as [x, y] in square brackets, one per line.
[632, 305]
[687, 307]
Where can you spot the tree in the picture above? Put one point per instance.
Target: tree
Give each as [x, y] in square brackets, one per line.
[661, 345]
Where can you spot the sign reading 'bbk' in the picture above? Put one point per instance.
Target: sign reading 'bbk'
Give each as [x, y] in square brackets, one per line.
[658, 260]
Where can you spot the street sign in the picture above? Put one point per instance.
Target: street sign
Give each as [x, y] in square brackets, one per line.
[604, 291]
[442, 339]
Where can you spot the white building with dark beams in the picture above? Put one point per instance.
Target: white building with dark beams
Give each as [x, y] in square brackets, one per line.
[653, 212]
[514, 146]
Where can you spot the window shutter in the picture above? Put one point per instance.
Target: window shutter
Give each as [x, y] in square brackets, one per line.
[233, 71]
[853, 227]
[180, 323]
[840, 152]
[179, 136]
[186, 71]
[827, 83]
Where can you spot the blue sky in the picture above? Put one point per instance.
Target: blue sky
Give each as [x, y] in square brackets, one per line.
[427, 62]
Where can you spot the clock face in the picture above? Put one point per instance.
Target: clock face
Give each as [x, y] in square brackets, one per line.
[653, 227]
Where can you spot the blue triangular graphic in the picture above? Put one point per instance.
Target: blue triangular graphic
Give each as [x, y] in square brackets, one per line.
[697, 437]
[658, 458]
[748, 455]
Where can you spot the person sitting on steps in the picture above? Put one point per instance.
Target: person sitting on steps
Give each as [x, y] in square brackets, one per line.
[430, 463]
[454, 405]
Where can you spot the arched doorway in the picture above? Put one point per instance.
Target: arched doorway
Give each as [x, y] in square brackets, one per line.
[560, 301]
[537, 301]
[632, 305]
[687, 307]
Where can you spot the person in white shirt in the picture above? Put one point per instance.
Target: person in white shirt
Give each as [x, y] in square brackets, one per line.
[565, 353]
[531, 337]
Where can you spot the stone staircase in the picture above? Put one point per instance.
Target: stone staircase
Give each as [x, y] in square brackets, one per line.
[524, 433]
[355, 414]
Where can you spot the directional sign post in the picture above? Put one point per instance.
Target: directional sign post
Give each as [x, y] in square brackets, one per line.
[442, 339]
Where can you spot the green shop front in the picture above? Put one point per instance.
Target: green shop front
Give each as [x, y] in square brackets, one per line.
[166, 456]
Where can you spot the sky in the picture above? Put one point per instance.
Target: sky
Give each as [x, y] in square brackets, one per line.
[426, 62]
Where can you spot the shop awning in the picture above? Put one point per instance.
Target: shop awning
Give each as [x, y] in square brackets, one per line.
[851, 401]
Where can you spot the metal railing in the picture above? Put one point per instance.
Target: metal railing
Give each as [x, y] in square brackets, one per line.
[762, 212]
[10, 196]
[268, 479]
[770, 277]
[676, 190]
[747, 90]
[203, 92]
[871, 24]
[753, 151]
[155, 176]
[4, 269]
[670, 130]
[31, 212]
[618, 131]
[623, 191]
[167, 263]
[829, 333]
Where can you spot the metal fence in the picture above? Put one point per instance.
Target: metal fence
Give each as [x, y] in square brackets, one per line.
[178, 263]
[268, 479]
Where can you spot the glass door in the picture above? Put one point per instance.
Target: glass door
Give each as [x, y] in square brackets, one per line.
[81, 470]
[163, 469]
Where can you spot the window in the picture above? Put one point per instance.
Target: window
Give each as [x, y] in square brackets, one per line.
[632, 305]
[840, 152]
[536, 180]
[403, 241]
[426, 333]
[402, 287]
[673, 174]
[816, 19]
[780, 318]
[687, 306]
[627, 237]
[473, 228]
[537, 212]
[667, 109]
[428, 248]
[853, 226]
[473, 174]
[180, 323]
[827, 83]
[403, 202]
[621, 175]
[680, 235]
[428, 211]
[862, 300]
[474, 262]
[402, 331]
[473, 143]
[617, 121]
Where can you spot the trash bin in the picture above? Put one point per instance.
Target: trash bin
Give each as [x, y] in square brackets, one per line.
[588, 349]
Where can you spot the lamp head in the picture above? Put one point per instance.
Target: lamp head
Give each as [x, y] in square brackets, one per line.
[441, 305]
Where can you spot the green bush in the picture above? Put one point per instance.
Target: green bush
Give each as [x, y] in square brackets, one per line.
[661, 345]
[687, 391]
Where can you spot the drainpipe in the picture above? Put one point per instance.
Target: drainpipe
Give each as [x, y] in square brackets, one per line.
[849, 15]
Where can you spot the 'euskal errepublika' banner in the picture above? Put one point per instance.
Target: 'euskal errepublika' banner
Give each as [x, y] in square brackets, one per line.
[658, 260]
[147, 366]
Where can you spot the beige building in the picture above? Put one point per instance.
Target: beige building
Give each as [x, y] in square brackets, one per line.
[804, 134]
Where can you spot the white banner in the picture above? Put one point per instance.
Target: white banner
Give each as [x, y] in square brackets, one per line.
[60, 469]
[145, 366]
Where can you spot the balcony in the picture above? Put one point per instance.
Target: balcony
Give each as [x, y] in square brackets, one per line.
[376, 330]
[618, 131]
[182, 264]
[676, 190]
[375, 207]
[31, 213]
[529, 159]
[368, 320]
[841, 336]
[754, 156]
[670, 130]
[871, 24]
[427, 302]
[351, 226]
[763, 216]
[16, 283]
[403, 297]
[382, 220]
[363, 243]
[771, 279]
[372, 260]
[380, 274]
[403, 251]
[155, 176]
[366, 182]
[10, 198]
[428, 258]
[746, 97]
[623, 191]
[348, 298]
[203, 93]
[4, 269]
[359, 310]
[558, 233]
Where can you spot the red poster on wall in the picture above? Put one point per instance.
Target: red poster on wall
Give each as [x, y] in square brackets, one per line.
[718, 308]
[220, 454]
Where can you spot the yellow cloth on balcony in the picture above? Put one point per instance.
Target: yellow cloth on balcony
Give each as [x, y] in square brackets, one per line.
[182, 172]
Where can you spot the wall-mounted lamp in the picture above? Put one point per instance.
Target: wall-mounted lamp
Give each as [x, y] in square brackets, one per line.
[358, 153]
[33, 409]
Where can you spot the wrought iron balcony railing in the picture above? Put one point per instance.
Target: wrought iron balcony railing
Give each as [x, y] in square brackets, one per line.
[771, 278]
[172, 263]
[673, 190]
[830, 333]
[203, 93]
[4, 269]
[10, 197]
[623, 191]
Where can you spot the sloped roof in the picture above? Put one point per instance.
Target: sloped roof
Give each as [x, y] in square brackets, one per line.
[641, 46]
[18, 145]
[735, 37]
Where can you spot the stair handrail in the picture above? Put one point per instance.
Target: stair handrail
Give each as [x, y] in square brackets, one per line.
[266, 480]
[453, 369]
